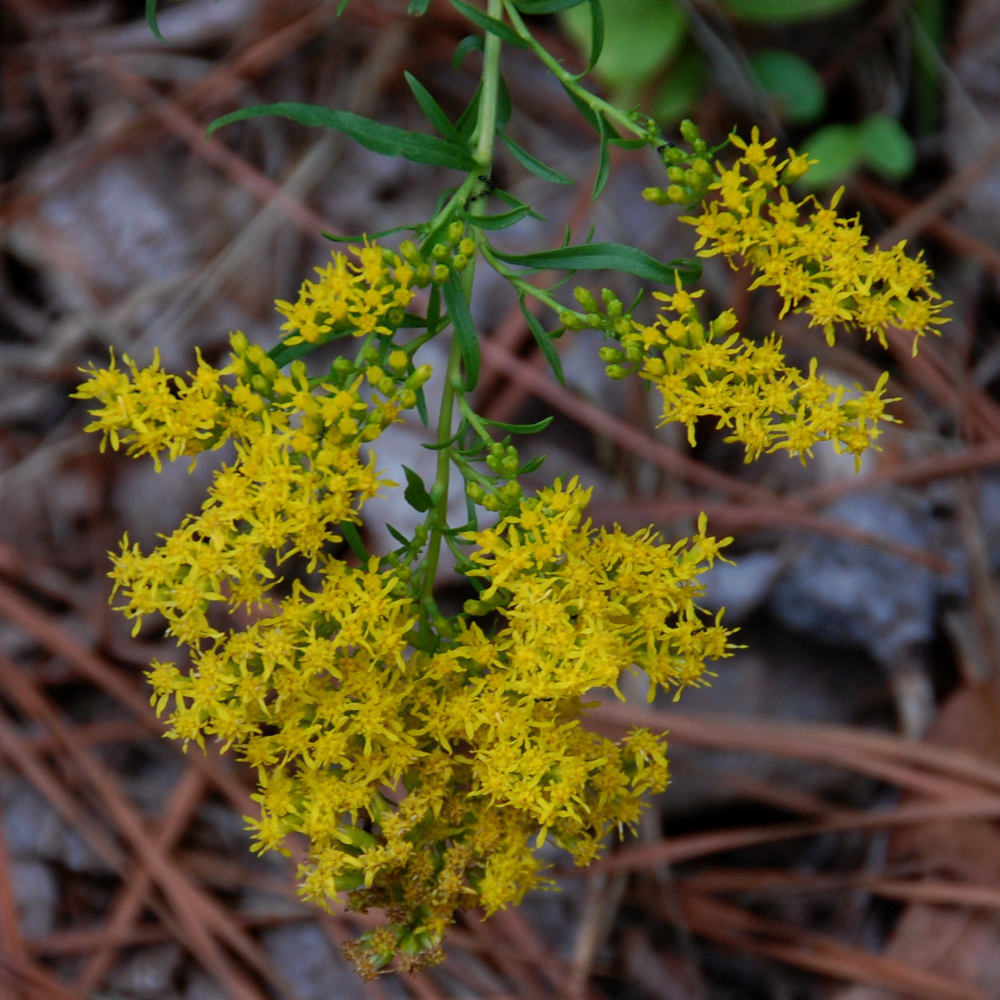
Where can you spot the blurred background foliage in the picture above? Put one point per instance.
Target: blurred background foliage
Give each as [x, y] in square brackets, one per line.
[654, 55]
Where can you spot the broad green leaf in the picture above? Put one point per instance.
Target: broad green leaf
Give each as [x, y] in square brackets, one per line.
[640, 39]
[888, 150]
[471, 43]
[385, 139]
[417, 8]
[606, 257]
[529, 162]
[545, 6]
[795, 86]
[434, 112]
[465, 330]
[544, 342]
[502, 31]
[350, 532]
[785, 11]
[839, 149]
[416, 494]
[502, 221]
[519, 428]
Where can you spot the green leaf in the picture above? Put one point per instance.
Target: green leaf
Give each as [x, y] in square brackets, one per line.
[508, 199]
[385, 139]
[350, 532]
[596, 33]
[467, 119]
[529, 162]
[544, 342]
[641, 37]
[545, 6]
[416, 494]
[422, 407]
[283, 355]
[519, 428]
[502, 31]
[369, 236]
[505, 107]
[348, 881]
[435, 114]
[795, 86]
[398, 535]
[531, 465]
[604, 162]
[606, 257]
[471, 43]
[785, 11]
[410, 321]
[502, 221]
[151, 20]
[839, 149]
[465, 330]
[417, 8]
[888, 150]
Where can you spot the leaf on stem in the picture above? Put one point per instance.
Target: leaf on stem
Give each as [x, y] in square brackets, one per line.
[502, 31]
[465, 330]
[535, 428]
[385, 139]
[417, 8]
[544, 342]
[604, 162]
[151, 20]
[545, 6]
[471, 43]
[529, 162]
[434, 112]
[416, 494]
[606, 257]
[596, 33]
[350, 532]
[502, 221]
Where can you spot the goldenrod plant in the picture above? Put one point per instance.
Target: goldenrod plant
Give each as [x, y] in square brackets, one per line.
[427, 757]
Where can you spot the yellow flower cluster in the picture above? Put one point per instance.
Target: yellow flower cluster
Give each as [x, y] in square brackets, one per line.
[421, 773]
[369, 296]
[816, 260]
[767, 404]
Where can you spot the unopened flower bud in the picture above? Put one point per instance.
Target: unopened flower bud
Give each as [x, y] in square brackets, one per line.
[616, 372]
[375, 374]
[422, 276]
[676, 174]
[460, 262]
[440, 273]
[455, 231]
[656, 195]
[398, 360]
[571, 320]
[441, 251]
[583, 296]
[260, 384]
[467, 246]
[609, 355]
[419, 377]
[676, 194]
[386, 385]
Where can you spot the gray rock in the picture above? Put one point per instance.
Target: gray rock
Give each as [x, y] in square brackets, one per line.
[36, 894]
[849, 594]
[309, 964]
[148, 971]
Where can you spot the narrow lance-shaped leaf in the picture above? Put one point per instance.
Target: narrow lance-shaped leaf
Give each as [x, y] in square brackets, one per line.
[596, 33]
[545, 6]
[350, 532]
[604, 162]
[417, 8]
[529, 162]
[465, 330]
[606, 257]
[154, 27]
[544, 342]
[502, 221]
[385, 139]
[519, 428]
[434, 112]
[502, 31]
[471, 43]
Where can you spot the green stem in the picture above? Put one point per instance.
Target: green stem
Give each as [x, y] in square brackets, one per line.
[437, 520]
[570, 80]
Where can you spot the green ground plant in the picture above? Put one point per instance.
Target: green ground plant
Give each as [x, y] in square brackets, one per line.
[426, 757]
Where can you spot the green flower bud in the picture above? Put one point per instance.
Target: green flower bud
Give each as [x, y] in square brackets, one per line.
[455, 231]
[583, 296]
[702, 167]
[386, 385]
[676, 174]
[239, 343]
[467, 246]
[609, 355]
[422, 276]
[260, 384]
[460, 262]
[419, 377]
[441, 251]
[677, 194]
[343, 366]
[256, 354]
[690, 131]
[268, 368]
[410, 253]
[440, 274]
[407, 399]
[571, 320]
[633, 353]
[616, 372]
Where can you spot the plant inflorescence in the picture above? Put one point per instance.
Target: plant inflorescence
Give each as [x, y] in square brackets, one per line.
[427, 757]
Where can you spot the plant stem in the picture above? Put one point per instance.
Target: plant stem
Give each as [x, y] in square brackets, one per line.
[485, 138]
[570, 80]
